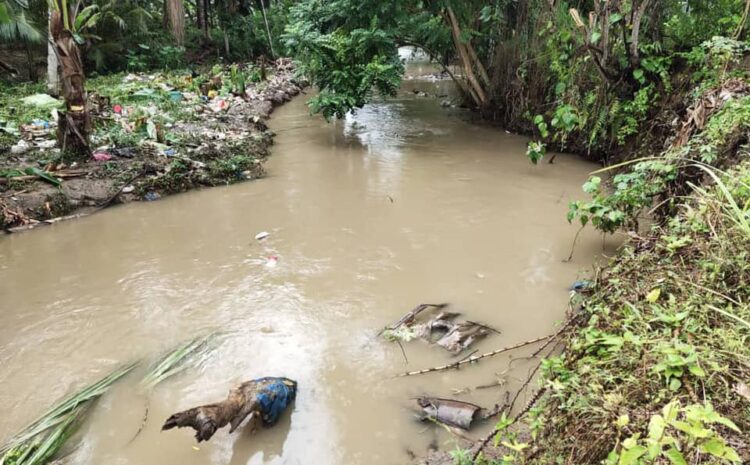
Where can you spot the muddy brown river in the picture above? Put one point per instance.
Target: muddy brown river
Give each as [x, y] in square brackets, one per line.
[404, 202]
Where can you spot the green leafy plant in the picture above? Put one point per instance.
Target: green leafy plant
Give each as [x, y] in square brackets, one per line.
[535, 151]
[676, 433]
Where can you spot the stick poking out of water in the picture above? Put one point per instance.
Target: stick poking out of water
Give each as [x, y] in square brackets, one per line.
[474, 358]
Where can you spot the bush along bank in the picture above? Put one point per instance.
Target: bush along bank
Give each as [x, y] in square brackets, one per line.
[155, 134]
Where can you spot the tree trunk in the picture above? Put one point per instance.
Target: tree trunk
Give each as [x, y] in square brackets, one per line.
[268, 29]
[75, 123]
[206, 18]
[477, 91]
[175, 13]
[53, 74]
[638, 13]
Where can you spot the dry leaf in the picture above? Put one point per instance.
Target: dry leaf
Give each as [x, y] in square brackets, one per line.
[742, 389]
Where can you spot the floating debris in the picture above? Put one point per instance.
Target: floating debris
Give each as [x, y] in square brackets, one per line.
[448, 411]
[42, 439]
[261, 235]
[440, 329]
[185, 355]
[262, 400]
[581, 286]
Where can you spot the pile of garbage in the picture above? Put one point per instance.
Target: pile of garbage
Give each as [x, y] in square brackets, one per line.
[154, 134]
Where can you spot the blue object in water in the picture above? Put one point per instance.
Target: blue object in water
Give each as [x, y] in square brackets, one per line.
[579, 286]
[274, 397]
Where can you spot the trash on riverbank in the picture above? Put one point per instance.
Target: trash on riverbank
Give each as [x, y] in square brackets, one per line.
[261, 400]
[441, 329]
[176, 131]
[449, 412]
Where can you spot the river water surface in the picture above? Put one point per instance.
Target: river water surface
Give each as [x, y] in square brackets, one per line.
[404, 202]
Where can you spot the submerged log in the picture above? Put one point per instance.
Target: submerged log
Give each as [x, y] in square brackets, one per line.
[263, 399]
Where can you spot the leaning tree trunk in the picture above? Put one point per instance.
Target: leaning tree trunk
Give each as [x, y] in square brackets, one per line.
[477, 91]
[75, 123]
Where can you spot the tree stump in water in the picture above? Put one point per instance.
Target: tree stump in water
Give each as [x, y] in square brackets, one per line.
[264, 399]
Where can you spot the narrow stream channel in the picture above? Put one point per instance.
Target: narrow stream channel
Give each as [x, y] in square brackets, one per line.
[405, 202]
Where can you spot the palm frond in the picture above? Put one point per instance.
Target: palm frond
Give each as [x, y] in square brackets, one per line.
[42, 450]
[17, 27]
[190, 353]
[59, 414]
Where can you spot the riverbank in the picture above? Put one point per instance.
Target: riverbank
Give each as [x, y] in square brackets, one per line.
[658, 367]
[155, 135]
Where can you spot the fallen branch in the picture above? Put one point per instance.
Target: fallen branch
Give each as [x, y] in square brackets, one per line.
[109, 201]
[474, 358]
[537, 395]
[57, 174]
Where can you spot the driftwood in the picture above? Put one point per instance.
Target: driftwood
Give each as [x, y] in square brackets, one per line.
[259, 400]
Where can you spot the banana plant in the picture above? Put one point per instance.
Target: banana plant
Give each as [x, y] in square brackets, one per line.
[75, 122]
[13, 22]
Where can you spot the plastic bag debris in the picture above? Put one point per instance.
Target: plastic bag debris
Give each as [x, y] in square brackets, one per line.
[581, 286]
[21, 147]
[102, 156]
[271, 261]
[41, 101]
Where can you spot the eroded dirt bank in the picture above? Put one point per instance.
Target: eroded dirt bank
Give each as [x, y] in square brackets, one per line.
[154, 135]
